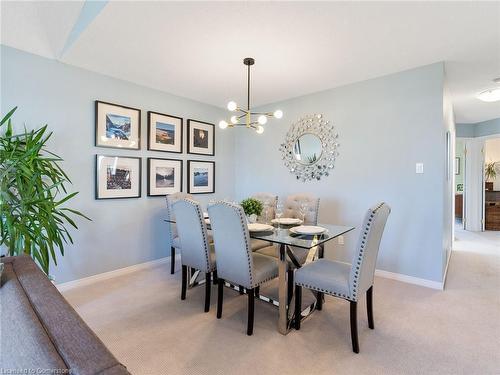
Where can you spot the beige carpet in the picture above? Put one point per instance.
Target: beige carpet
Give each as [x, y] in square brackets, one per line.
[141, 318]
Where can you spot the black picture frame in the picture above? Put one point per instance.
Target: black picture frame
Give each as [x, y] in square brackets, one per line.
[181, 178]
[150, 146]
[97, 142]
[139, 179]
[192, 190]
[196, 150]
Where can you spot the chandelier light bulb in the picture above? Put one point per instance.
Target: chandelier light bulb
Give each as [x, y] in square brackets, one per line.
[232, 106]
[278, 113]
[223, 124]
[234, 119]
[260, 129]
[262, 119]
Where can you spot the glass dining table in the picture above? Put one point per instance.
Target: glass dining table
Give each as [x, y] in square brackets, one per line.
[286, 242]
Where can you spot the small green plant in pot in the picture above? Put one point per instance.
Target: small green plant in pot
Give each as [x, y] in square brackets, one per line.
[33, 216]
[491, 170]
[253, 208]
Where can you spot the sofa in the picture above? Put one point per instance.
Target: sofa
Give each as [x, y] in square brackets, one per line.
[40, 332]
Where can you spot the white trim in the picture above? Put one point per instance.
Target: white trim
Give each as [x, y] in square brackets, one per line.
[410, 279]
[111, 274]
[446, 268]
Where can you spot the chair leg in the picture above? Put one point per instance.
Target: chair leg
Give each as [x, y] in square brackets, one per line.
[369, 307]
[215, 278]
[251, 305]
[172, 260]
[298, 306]
[354, 327]
[242, 290]
[184, 282]
[220, 297]
[208, 286]
[319, 301]
[257, 291]
[290, 284]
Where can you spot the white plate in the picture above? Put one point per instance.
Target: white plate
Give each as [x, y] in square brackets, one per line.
[258, 227]
[287, 221]
[307, 229]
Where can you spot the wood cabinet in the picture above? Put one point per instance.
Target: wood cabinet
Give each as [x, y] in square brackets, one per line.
[459, 206]
[492, 210]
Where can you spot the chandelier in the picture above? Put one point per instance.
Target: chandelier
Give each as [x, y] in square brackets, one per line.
[246, 117]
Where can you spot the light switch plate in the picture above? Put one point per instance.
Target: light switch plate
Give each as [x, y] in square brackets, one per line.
[419, 168]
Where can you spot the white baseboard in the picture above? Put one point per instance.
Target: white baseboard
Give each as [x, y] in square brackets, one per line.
[108, 275]
[410, 279]
[137, 267]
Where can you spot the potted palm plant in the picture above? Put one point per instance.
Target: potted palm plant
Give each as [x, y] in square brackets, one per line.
[33, 217]
[490, 173]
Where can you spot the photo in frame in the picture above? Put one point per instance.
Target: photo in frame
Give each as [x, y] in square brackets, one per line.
[201, 137]
[201, 177]
[117, 126]
[117, 177]
[164, 176]
[164, 132]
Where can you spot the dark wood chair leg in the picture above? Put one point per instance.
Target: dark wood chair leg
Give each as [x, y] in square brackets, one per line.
[208, 286]
[172, 260]
[220, 297]
[298, 306]
[319, 301]
[354, 327]
[257, 291]
[290, 284]
[369, 307]
[215, 278]
[242, 290]
[251, 306]
[184, 282]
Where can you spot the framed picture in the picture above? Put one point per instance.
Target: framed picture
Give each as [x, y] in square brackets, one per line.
[457, 165]
[117, 177]
[117, 126]
[164, 132]
[164, 176]
[201, 139]
[201, 177]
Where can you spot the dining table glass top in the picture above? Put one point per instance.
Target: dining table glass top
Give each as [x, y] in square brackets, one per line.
[284, 236]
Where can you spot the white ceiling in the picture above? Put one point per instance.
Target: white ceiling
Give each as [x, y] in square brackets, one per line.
[195, 49]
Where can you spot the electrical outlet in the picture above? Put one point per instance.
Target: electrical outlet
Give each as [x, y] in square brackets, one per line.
[341, 240]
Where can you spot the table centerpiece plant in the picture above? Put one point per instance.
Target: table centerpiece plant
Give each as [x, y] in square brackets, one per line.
[253, 208]
[33, 217]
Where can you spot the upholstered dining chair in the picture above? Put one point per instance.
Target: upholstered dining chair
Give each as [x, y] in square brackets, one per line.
[291, 208]
[236, 263]
[271, 200]
[197, 252]
[174, 239]
[347, 281]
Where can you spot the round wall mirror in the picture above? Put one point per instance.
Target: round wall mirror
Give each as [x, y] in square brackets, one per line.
[307, 149]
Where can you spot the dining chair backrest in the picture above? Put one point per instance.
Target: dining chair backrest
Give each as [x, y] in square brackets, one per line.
[170, 200]
[270, 200]
[365, 259]
[193, 234]
[292, 207]
[232, 243]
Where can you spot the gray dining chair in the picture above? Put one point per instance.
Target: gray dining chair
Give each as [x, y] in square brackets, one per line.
[271, 200]
[173, 235]
[197, 252]
[291, 208]
[344, 280]
[236, 263]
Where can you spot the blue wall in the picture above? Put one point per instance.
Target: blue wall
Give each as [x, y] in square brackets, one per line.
[123, 232]
[479, 129]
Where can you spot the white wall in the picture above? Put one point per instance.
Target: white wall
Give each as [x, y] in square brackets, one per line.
[386, 125]
[126, 231]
